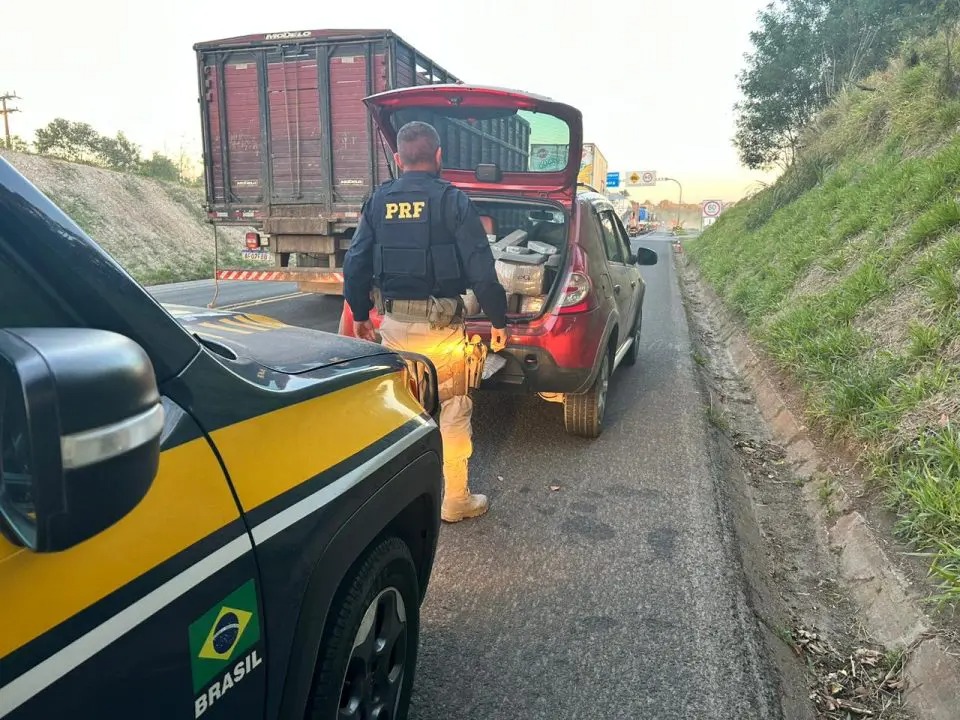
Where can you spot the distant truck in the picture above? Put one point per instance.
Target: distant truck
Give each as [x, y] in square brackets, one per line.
[593, 168]
[291, 151]
[641, 221]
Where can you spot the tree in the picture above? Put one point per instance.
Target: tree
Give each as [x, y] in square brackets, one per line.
[74, 141]
[17, 144]
[118, 153]
[160, 167]
[807, 51]
[782, 83]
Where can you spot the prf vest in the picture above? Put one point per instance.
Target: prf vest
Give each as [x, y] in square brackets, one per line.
[415, 255]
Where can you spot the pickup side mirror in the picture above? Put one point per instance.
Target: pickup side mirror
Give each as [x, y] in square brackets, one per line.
[645, 256]
[80, 427]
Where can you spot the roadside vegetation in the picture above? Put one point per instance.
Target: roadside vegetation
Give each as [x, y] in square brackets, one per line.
[147, 212]
[79, 142]
[847, 272]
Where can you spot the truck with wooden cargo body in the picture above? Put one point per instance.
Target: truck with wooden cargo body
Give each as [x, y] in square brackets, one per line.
[291, 151]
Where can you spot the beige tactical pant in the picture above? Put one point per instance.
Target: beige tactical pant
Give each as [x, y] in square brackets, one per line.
[445, 348]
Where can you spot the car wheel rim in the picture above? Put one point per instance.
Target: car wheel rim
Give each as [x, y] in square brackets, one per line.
[602, 389]
[374, 678]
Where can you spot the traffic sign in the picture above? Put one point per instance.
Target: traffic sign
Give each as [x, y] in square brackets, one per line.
[641, 177]
[642, 213]
[613, 179]
[711, 208]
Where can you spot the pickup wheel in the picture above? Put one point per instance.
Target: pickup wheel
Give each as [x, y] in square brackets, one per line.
[583, 412]
[369, 649]
[633, 354]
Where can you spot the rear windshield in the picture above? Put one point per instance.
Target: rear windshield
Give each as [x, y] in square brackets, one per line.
[514, 140]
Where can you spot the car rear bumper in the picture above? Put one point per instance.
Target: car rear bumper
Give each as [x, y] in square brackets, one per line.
[533, 369]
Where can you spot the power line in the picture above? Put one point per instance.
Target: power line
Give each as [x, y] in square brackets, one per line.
[6, 111]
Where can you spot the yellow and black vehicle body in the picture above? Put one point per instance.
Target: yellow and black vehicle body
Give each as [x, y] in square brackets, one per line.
[196, 506]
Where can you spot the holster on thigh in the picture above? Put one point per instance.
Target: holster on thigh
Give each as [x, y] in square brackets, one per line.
[451, 381]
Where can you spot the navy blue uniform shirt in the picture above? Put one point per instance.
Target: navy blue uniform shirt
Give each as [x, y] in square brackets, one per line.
[476, 259]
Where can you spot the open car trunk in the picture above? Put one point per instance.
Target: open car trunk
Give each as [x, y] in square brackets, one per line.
[518, 156]
[529, 244]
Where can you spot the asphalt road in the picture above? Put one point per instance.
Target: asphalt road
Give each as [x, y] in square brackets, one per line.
[616, 595]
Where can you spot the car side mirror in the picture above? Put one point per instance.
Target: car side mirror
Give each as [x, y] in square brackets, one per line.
[80, 427]
[646, 256]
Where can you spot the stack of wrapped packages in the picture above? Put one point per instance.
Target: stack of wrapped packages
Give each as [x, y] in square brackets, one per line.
[526, 269]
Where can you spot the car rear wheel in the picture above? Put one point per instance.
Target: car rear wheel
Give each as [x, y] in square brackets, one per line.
[369, 649]
[583, 412]
[633, 354]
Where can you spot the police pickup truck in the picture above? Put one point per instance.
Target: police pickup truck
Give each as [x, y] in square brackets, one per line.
[196, 522]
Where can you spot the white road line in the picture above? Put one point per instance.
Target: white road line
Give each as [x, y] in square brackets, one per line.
[262, 301]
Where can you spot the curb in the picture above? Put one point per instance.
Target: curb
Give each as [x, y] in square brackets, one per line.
[892, 614]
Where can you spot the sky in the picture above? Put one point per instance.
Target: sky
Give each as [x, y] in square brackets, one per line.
[655, 81]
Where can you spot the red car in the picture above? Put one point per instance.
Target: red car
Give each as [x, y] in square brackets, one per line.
[575, 293]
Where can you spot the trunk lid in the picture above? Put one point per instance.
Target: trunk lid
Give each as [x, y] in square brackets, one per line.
[494, 140]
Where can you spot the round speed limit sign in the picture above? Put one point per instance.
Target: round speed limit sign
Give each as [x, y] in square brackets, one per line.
[647, 178]
[712, 208]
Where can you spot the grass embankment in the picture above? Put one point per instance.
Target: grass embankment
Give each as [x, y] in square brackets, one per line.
[847, 271]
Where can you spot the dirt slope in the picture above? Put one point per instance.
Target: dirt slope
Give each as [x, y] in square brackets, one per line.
[156, 230]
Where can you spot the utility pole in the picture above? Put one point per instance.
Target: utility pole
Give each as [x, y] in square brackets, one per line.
[5, 111]
[665, 179]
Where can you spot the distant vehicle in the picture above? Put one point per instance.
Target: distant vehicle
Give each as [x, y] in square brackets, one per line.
[203, 514]
[641, 222]
[575, 293]
[593, 168]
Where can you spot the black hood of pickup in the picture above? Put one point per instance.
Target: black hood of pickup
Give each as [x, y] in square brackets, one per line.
[284, 348]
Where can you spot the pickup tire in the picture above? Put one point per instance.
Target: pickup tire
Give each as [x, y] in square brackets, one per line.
[633, 354]
[368, 653]
[583, 412]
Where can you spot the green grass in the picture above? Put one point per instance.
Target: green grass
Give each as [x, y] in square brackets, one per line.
[872, 205]
[79, 210]
[189, 198]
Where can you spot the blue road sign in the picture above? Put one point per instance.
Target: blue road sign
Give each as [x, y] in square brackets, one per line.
[642, 213]
[613, 180]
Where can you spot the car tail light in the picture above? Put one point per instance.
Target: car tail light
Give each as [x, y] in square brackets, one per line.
[576, 295]
[253, 241]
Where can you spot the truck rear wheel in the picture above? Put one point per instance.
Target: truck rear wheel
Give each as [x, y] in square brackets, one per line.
[368, 654]
[583, 412]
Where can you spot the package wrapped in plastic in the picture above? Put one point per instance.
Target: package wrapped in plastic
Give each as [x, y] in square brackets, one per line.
[517, 237]
[522, 278]
[533, 305]
[470, 303]
[542, 247]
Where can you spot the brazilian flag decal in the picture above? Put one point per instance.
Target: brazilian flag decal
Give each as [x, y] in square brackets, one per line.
[224, 631]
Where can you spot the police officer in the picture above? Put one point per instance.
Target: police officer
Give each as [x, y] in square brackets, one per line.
[421, 242]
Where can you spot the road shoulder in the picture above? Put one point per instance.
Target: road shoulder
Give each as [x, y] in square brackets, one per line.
[846, 630]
